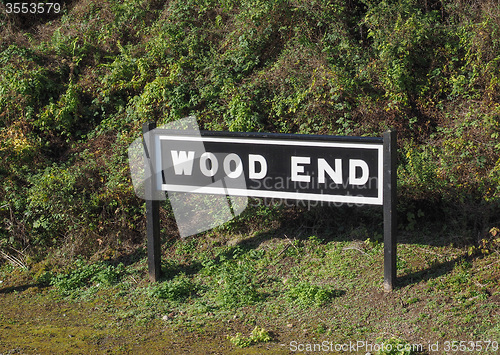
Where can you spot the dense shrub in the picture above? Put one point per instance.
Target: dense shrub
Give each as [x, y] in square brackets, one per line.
[75, 90]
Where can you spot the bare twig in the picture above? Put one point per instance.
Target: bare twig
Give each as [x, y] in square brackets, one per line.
[430, 252]
[285, 248]
[13, 260]
[281, 252]
[355, 248]
[489, 265]
[479, 284]
[289, 241]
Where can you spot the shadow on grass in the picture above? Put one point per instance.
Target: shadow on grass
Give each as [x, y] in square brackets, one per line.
[433, 272]
[351, 223]
[419, 222]
[130, 258]
[22, 288]
[434, 223]
[169, 270]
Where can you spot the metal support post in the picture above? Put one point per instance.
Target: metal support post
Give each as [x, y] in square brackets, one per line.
[152, 208]
[390, 211]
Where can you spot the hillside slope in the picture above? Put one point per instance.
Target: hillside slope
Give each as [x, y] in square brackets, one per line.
[77, 85]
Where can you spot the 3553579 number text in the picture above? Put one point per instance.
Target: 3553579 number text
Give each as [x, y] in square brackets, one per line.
[32, 7]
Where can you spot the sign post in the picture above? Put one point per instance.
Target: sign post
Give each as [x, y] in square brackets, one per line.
[152, 208]
[354, 170]
[390, 211]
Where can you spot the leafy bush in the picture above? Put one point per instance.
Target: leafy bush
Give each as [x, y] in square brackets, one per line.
[63, 114]
[403, 37]
[26, 85]
[53, 200]
[418, 171]
[109, 275]
[233, 278]
[90, 77]
[71, 205]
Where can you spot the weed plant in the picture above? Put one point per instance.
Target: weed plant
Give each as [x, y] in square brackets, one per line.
[306, 294]
[177, 289]
[258, 335]
[83, 274]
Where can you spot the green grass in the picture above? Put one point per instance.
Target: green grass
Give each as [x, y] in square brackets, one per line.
[328, 290]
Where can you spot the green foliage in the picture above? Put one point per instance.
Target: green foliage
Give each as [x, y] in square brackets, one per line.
[238, 285]
[241, 116]
[109, 275]
[177, 289]
[306, 294]
[25, 85]
[52, 201]
[254, 216]
[488, 244]
[258, 335]
[234, 277]
[71, 205]
[187, 246]
[403, 37]
[82, 275]
[63, 114]
[71, 47]
[418, 171]
[481, 39]
[131, 16]
[429, 69]
[124, 77]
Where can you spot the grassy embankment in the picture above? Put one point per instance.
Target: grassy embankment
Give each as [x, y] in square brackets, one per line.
[76, 87]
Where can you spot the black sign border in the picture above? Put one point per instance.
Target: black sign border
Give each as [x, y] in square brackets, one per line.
[374, 143]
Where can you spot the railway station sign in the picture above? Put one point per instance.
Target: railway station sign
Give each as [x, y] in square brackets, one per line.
[300, 167]
[355, 170]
